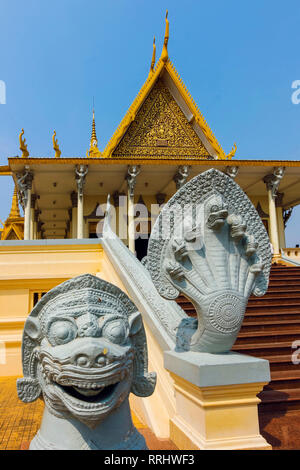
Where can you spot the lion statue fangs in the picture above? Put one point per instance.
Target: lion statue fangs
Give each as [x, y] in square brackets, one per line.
[84, 349]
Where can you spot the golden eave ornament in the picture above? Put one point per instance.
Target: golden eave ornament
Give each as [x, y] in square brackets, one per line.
[232, 153]
[153, 56]
[164, 55]
[56, 146]
[23, 145]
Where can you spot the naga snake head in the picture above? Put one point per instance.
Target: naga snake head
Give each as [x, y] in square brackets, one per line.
[209, 244]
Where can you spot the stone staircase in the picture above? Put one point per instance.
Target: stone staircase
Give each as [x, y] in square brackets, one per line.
[270, 327]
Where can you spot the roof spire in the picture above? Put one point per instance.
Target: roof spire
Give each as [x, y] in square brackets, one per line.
[153, 56]
[94, 140]
[93, 151]
[164, 54]
[14, 211]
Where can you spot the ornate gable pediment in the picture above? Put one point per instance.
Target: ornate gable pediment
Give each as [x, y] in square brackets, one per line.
[160, 130]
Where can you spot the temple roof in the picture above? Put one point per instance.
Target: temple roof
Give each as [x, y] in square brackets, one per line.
[164, 106]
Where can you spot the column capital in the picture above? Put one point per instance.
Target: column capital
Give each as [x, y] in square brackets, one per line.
[181, 175]
[24, 183]
[132, 174]
[232, 171]
[272, 181]
[80, 174]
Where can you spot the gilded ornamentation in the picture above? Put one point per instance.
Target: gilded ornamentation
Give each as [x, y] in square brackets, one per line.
[56, 146]
[160, 129]
[23, 145]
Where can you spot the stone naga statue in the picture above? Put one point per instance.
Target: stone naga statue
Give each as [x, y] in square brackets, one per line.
[210, 245]
[84, 349]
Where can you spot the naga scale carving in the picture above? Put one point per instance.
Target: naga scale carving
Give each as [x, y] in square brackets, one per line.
[209, 244]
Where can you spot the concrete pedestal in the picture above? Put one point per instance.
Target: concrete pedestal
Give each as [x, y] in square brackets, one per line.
[216, 400]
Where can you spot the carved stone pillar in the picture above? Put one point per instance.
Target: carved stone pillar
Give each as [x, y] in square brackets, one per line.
[180, 178]
[74, 200]
[80, 174]
[24, 181]
[133, 172]
[272, 182]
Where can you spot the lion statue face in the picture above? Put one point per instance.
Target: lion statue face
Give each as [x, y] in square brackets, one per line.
[84, 349]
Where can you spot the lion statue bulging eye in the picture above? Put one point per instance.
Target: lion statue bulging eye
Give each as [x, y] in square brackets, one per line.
[116, 331]
[61, 332]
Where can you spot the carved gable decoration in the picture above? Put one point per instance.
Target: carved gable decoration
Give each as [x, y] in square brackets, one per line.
[160, 130]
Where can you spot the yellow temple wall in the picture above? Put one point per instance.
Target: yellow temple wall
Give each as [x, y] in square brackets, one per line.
[33, 268]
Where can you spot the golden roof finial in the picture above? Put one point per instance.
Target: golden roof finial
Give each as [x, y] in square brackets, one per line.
[164, 54]
[153, 56]
[232, 153]
[14, 211]
[93, 151]
[56, 146]
[23, 145]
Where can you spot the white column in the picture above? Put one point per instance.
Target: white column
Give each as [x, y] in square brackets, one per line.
[24, 181]
[32, 231]
[80, 174]
[133, 171]
[281, 230]
[74, 222]
[27, 216]
[80, 217]
[74, 199]
[272, 182]
[131, 231]
[274, 237]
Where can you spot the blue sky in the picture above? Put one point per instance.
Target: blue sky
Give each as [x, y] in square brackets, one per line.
[238, 60]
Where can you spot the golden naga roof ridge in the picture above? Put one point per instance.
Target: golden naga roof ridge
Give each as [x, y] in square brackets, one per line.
[153, 56]
[164, 62]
